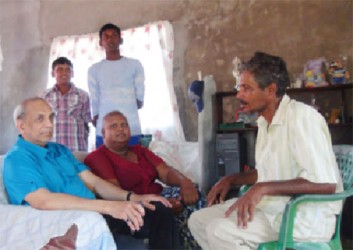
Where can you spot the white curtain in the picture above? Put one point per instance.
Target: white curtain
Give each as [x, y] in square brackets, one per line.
[153, 45]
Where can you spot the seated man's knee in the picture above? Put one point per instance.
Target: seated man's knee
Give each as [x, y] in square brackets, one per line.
[193, 221]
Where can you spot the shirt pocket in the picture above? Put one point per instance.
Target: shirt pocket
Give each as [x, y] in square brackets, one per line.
[66, 166]
[53, 104]
[74, 107]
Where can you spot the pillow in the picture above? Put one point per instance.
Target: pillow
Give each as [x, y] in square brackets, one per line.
[183, 156]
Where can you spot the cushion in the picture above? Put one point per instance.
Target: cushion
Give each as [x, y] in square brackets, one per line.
[182, 156]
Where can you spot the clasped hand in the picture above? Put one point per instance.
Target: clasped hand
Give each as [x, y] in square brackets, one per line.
[132, 212]
[219, 191]
[188, 193]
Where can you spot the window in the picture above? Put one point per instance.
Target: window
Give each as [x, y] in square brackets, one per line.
[153, 45]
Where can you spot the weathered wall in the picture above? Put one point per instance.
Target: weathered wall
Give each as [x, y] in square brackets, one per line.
[208, 34]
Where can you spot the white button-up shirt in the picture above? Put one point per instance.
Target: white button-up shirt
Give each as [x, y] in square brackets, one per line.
[297, 144]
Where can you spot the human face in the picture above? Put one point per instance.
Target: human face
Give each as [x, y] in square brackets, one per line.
[110, 40]
[37, 124]
[62, 73]
[116, 131]
[252, 98]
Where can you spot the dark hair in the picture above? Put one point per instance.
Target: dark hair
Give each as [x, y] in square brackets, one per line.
[108, 26]
[268, 69]
[61, 60]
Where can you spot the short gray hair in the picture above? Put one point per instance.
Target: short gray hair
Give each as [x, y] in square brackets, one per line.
[20, 111]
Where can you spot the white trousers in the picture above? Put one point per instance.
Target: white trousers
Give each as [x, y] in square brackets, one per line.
[213, 231]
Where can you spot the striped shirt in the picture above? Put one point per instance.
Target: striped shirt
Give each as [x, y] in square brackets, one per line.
[72, 112]
[297, 144]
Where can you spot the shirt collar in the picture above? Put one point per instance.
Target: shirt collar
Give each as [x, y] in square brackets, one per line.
[72, 88]
[279, 116]
[33, 148]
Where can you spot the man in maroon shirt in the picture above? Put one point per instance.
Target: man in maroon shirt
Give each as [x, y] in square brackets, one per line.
[136, 169]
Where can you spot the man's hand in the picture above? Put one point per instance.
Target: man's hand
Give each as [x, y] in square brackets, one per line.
[177, 206]
[188, 192]
[139, 104]
[147, 198]
[245, 205]
[131, 212]
[94, 120]
[219, 191]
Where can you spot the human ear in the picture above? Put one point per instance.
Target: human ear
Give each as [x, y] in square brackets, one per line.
[20, 126]
[272, 88]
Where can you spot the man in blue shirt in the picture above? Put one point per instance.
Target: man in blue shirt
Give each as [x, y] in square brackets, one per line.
[45, 175]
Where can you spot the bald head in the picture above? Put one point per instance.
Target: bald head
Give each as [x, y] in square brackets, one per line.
[115, 130]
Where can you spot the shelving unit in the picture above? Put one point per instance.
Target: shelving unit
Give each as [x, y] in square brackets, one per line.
[342, 133]
[343, 99]
[294, 93]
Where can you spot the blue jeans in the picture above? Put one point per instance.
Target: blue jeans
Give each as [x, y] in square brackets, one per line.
[134, 139]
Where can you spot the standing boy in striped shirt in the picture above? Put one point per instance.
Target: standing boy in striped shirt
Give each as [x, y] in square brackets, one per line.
[71, 106]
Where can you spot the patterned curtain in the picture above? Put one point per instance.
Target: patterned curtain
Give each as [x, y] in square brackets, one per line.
[153, 45]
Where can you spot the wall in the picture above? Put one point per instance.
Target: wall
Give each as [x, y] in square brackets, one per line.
[208, 35]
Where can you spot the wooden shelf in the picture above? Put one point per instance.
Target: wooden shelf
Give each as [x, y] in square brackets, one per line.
[340, 125]
[319, 89]
[237, 130]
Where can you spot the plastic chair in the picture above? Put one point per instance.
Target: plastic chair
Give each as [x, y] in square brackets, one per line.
[344, 158]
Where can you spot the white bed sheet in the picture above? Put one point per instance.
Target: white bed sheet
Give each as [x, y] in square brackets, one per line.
[22, 227]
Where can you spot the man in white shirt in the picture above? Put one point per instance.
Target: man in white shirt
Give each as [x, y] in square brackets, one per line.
[293, 156]
[116, 83]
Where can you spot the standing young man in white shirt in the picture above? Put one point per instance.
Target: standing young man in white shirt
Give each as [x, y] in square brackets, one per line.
[116, 83]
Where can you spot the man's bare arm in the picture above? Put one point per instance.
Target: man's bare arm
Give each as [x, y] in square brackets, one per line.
[103, 188]
[110, 191]
[245, 205]
[219, 191]
[45, 200]
[173, 177]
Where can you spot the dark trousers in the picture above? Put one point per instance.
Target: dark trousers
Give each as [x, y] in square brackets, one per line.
[159, 228]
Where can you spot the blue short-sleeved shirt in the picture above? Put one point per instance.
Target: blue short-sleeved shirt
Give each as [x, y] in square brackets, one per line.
[28, 167]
